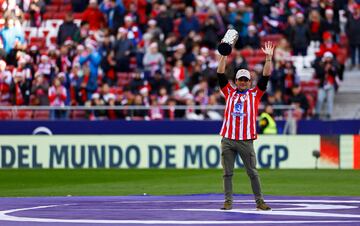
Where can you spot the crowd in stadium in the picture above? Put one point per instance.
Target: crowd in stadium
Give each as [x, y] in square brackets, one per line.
[163, 53]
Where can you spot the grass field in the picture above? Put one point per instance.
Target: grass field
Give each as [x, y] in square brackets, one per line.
[119, 182]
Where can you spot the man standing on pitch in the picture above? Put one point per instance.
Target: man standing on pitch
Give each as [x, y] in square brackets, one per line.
[239, 125]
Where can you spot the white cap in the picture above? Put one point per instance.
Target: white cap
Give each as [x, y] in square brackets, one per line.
[232, 5]
[2, 64]
[61, 75]
[109, 96]
[251, 28]
[128, 18]
[44, 57]
[204, 50]
[80, 47]
[95, 96]
[241, 3]
[93, 2]
[243, 73]
[328, 54]
[329, 11]
[152, 22]
[122, 30]
[33, 48]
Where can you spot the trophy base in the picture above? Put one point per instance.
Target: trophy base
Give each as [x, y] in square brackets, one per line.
[224, 49]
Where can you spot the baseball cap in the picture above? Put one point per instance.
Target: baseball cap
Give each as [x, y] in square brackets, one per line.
[243, 73]
[328, 54]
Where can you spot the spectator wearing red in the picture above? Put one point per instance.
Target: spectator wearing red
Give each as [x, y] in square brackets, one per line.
[328, 45]
[94, 16]
[57, 97]
[5, 81]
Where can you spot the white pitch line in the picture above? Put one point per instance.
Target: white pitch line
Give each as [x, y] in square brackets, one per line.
[241, 201]
[4, 215]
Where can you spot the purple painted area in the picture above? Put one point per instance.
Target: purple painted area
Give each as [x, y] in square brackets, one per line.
[181, 208]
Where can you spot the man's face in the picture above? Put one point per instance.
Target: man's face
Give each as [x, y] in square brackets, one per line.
[243, 83]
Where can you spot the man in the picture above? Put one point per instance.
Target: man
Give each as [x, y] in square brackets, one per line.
[239, 125]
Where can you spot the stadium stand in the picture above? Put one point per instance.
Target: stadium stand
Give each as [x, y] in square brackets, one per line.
[79, 56]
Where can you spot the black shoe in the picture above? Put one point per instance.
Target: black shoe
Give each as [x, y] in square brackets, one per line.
[261, 205]
[227, 205]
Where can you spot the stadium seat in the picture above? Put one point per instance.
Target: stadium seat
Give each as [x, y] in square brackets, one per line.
[78, 114]
[5, 115]
[246, 52]
[41, 115]
[65, 8]
[23, 115]
[202, 17]
[52, 8]
[259, 53]
[255, 59]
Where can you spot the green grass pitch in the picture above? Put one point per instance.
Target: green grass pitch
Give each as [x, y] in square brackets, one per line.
[120, 182]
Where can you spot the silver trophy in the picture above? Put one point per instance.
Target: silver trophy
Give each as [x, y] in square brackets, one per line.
[228, 42]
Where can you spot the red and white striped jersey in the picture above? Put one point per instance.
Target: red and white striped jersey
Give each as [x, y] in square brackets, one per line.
[240, 113]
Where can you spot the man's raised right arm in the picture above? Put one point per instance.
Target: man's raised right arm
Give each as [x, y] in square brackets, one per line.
[221, 72]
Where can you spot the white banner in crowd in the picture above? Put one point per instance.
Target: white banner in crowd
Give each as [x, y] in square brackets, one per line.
[150, 151]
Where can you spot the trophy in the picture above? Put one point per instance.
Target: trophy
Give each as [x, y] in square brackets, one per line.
[228, 42]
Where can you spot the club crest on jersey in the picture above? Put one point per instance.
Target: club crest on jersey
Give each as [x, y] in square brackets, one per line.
[238, 110]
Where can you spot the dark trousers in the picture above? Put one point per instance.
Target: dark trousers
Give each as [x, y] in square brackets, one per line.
[229, 150]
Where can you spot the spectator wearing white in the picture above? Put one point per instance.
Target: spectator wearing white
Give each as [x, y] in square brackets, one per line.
[5, 82]
[154, 60]
[57, 97]
[44, 67]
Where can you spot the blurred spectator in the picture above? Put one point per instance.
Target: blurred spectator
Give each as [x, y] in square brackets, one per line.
[327, 72]
[251, 40]
[11, 35]
[210, 29]
[188, 23]
[108, 65]
[300, 36]
[97, 114]
[285, 77]
[114, 11]
[156, 113]
[315, 26]
[5, 83]
[267, 123]
[94, 16]
[91, 57]
[20, 89]
[68, 30]
[237, 63]
[353, 34]
[45, 67]
[164, 21]
[157, 82]
[327, 45]
[39, 90]
[138, 114]
[282, 52]
[329, 24]
[57, 97]
[153, 60]
[171, 113]
[299, 99]
[123, 49]
[37, 9]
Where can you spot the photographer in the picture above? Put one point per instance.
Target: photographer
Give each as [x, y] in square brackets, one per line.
[327, 71]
